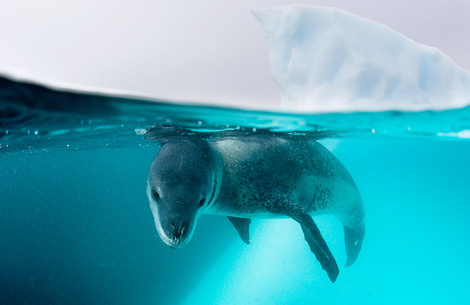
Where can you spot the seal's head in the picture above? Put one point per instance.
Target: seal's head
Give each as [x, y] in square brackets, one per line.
[179, 186]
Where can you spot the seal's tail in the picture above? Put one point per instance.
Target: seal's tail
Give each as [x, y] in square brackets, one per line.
[353, 238]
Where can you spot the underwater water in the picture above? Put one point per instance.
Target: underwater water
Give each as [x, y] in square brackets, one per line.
[76, 228]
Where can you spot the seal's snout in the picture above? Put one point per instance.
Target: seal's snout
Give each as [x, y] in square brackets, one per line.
[178, 233]
[179, 230]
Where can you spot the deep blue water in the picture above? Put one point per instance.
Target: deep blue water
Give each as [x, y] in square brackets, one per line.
[75, 226]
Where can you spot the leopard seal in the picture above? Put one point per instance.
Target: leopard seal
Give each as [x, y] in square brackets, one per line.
[255, 176]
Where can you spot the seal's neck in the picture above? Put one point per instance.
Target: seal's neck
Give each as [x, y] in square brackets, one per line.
[217, 174]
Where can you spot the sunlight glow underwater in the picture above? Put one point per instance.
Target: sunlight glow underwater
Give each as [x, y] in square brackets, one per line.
[277, 261]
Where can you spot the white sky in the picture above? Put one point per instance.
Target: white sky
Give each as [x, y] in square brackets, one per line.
[211, 51]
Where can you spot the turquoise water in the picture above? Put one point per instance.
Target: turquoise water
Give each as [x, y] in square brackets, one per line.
[75, 226]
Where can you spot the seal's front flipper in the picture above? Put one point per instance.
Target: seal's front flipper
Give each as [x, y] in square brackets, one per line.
[243, 227]
[353, 240]
[317, 244]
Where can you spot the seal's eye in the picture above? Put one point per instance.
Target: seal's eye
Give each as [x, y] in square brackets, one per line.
[201, 203]
[155, 194]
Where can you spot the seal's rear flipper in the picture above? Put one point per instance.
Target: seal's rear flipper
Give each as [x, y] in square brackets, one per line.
[353, 240]
[243, 227]
[318, 246]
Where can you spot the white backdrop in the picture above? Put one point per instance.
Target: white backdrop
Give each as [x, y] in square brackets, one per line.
[209, 51]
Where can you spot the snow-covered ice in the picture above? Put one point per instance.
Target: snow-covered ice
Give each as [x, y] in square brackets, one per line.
[326, 59]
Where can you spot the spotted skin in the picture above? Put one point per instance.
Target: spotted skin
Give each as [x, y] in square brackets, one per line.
[261, 175]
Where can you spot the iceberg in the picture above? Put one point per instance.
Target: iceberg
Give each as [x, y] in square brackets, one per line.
[328, 60]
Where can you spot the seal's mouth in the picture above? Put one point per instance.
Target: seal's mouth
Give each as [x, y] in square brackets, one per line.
[176, 234]
[175, 242]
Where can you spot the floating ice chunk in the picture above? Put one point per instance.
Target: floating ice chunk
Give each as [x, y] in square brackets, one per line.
[325, 59]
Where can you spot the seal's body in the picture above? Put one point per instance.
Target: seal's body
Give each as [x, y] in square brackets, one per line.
[252, 177]
[259, 174]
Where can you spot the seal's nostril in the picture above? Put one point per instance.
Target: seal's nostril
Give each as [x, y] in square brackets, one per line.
[184, 228]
